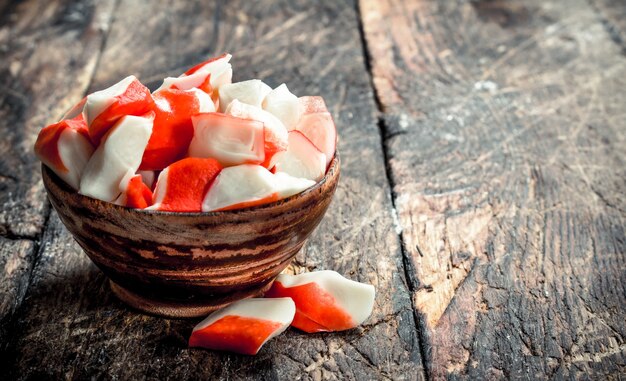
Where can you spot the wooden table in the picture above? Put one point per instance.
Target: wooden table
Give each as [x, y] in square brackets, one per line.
[482, 192]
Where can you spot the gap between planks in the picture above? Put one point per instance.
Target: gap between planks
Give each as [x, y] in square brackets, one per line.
[407, 263]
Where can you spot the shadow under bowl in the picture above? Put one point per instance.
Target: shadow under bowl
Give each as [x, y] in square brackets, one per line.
[190, 264]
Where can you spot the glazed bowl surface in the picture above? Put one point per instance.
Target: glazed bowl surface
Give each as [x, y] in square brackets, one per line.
[190, 264]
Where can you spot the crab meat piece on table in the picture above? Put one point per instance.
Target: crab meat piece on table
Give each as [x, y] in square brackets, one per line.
[119, 153]
[65, 148]
[325, 300]
[244, 326]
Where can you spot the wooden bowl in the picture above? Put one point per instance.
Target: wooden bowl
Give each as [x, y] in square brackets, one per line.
[189, 264]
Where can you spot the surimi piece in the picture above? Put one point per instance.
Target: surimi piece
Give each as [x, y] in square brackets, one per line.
[275, 132]
[65, 148]
[249, 185]
[172, 131]
[104, 108]
[76, 110]
[286, 185]
[325, 300]
[281, 103]
[251, 92]
[244, 326]
[148, 178]
[301, 159]
[228, 139]
[239, 187]
[317, 125]
[135, 194]
[218, 68]
[181, 186]
[119, 153]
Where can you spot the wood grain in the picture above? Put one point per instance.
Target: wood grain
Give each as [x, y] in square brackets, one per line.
[48, 51]
[70, 325]
[16, 257]
[612, 14]
[39, 40]
[505, 136]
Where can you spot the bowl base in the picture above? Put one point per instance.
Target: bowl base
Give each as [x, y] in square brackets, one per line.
[173, 309]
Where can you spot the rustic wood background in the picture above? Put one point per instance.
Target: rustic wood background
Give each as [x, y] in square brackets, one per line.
[482, 192]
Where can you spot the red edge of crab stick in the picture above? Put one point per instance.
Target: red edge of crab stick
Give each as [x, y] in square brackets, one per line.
[172, 131]
[104, 108]
[138, 195]
[199, 66]
[65, 148]
[219, 70]
[325, 300]
[181, 186]
[244, 326]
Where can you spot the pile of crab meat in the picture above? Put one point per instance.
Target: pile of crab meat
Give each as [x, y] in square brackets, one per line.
[197, 143]
[321, 301]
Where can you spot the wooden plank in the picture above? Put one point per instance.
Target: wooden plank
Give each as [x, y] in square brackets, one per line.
[16, 257]
[71, 326]
[48, 51]
[504, 128]
[613, 16]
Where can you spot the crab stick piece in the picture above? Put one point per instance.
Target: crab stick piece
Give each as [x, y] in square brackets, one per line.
[119, 153]
[248, 185]
[275, 132]
[104, 108]
[65, 148]
[281, 103]
[135, 193]
[228, 139]
[244, 326]
[325, 300]
[251, 92]
[76, 110]
[148, 178]
[172, 131]
[218, 69]
[239, 187]
[318, 126]
[301, 159]
[181, 186]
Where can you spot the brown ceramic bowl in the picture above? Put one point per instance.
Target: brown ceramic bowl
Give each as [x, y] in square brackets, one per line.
[189, 264]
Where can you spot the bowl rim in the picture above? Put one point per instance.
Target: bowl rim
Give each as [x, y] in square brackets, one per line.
[333, 167]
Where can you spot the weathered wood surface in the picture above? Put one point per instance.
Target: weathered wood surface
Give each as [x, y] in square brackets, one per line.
[70, 325]
[503, 139]
[613, 15]
[48, 52]
[504, 129]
